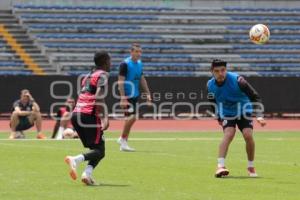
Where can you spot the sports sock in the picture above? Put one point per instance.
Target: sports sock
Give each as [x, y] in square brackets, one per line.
[60, 132]
[79, 158]
[250, 163]
[125, 137]
[221, 162]
[89, 170]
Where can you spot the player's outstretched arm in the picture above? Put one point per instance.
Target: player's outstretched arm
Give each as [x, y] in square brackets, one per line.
[253, 95]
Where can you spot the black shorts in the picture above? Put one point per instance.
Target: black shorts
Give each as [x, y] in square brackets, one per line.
[24, 124]
[132, 107]
[88, 128]
[241, 122]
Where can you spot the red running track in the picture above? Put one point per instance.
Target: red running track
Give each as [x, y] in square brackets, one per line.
[180, 125]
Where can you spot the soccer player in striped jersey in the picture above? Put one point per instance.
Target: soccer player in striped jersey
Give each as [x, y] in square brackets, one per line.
[90, 118]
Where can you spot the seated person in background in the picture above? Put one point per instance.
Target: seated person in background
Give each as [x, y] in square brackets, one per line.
[26, 112]
[63, 127]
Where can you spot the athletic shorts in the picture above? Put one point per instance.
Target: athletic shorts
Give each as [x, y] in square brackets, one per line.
[132, 107]
[241, 122]
[24, 124]
[88, 128]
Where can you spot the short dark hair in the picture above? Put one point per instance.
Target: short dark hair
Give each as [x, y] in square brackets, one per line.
[24, 91]
[100, 58]
[218, 63]
[135, 45]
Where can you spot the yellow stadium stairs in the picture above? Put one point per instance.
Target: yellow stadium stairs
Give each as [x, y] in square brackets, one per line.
[20, 51]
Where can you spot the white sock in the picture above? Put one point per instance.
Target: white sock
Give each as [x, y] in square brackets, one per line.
[79, 158]
[89, 170]
[221, 162]
[60, 132]
[250, 163]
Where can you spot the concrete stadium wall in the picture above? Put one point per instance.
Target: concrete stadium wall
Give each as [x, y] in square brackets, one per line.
[279, 94]
[5, 4]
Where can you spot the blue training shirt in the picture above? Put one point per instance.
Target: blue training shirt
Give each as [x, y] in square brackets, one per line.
[133, 77]
[230, 99]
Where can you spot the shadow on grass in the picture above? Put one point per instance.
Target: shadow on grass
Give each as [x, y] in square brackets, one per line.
[109, 185]
[113, 185]
[242, 177]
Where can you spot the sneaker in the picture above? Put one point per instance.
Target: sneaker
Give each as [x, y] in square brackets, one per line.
[252, 172]
[72, 165]
[20, 135]
[126, 148]
[41, 136]
[12, 136]
[120, 140]
[124, 145]
[221, 172]
[88, 180]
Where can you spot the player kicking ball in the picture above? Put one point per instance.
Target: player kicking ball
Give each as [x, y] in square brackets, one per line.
[233, 97]
[90, 119]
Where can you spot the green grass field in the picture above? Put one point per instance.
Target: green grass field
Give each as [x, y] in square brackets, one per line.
[166, 166]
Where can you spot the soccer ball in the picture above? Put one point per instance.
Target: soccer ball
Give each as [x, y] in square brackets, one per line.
[259, 34]
[69, 133]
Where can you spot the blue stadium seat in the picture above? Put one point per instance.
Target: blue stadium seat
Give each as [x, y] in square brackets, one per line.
[277, 65]
[108, 46]
[15, 72]
[57, 7]
[83, 26]
[240, 9]
[280, 73]
[11, 64]
[148, 73]
[264, 18]
[257, 56]
[269, 46]
[272, 28]
[88, 16]
[95, 36]
[273, 37]
[166, 54]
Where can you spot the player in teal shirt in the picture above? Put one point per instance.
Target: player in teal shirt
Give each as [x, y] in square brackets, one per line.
[130, 79]
[234, 100]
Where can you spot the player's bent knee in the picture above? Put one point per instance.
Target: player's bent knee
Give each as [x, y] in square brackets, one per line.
[101, 154]
[14, 114]
[37, 114]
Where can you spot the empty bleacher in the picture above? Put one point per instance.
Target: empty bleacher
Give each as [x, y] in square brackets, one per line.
[176, 42]
[10, 62]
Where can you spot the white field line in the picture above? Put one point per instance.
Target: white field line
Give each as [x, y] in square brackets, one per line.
[131, 139]
[161, 139]
[163, 130]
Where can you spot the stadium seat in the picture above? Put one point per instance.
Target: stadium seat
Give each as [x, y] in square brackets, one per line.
[176, 42]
